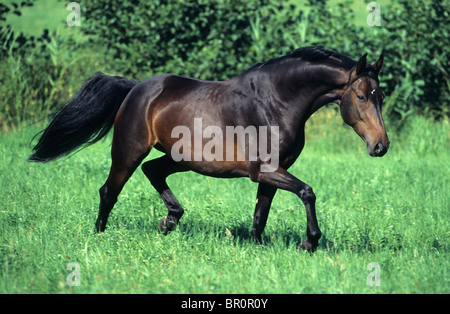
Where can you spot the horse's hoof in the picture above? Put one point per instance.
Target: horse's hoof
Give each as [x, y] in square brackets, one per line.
[255, 238]
[308, 246]
[167, 225]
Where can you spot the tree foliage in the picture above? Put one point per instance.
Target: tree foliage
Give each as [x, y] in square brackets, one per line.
[218, 39]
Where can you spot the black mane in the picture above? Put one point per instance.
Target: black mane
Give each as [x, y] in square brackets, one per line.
[311, 54]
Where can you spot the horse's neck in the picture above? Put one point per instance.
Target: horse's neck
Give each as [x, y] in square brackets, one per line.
[293, 92]
[310, 88]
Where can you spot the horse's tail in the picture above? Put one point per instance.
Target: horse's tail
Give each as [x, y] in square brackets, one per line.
[85, 119]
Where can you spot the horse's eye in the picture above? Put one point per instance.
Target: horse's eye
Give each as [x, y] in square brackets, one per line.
[361, 97]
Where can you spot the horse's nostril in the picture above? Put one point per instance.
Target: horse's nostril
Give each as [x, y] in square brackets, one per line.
[379, 149]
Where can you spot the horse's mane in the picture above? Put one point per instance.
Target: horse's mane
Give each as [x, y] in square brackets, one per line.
[310, 54]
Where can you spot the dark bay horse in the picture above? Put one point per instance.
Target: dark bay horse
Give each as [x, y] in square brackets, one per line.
[280, 94]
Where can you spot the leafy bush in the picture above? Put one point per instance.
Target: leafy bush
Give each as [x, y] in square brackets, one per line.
[416, 42]
[38, 74]
[204, 38]
[10, 42]
[217, 39]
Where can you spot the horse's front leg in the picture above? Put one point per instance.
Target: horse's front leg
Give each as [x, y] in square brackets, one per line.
[284, 180]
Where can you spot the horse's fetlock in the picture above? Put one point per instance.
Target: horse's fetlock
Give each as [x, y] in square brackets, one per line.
[314, 235]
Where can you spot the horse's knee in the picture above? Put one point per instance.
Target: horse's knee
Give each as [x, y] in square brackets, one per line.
[307, 195]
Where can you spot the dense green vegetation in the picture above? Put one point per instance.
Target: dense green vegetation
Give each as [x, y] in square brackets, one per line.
[216, 40]
[392, 210]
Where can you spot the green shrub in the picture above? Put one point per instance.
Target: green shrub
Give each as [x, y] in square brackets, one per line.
[38, 73]
[416, 42]
[207, 38]
[218, 39]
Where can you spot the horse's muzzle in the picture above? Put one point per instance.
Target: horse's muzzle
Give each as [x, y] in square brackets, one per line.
[379, 149]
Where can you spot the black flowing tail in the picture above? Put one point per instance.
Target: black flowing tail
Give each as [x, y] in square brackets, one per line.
[86, 118]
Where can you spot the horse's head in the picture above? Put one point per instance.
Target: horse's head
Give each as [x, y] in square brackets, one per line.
[361, 106]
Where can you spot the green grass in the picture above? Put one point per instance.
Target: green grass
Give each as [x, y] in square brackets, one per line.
[392, 210]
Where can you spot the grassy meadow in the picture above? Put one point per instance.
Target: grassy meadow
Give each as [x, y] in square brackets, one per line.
[392, 211]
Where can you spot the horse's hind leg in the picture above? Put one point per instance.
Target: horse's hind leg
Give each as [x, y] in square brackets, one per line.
[263, 201]
[157, 170]
[127, 153]
[118, 176]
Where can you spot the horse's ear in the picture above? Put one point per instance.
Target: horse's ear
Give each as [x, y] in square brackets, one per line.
[378, 65]
[360, 67]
